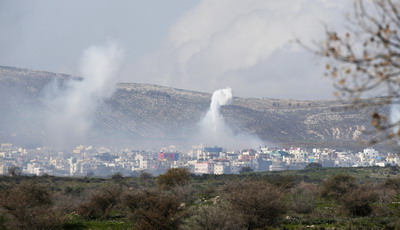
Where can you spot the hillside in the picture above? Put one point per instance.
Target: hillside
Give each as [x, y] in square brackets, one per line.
[144, 111]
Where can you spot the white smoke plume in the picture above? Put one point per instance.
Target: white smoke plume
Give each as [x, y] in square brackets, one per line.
[71, 108]
[215, 131]
[235, 43]
[395, 114]
[213, 122]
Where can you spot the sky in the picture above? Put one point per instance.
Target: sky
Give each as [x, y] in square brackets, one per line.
[201, 45]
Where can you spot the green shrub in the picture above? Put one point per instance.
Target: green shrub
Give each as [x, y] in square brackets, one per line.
[100, 203]
[392, 183]
[258, 202]
[212, 216]
[336, 186]
[29, 205]
[358, 201]
[14, 171]
[282, 181]
[117, 176]
[313, 166]
[303, 198]
[246, 169]
[174, 177]
[153, 209]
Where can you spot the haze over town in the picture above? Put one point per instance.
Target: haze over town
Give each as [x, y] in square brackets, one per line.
[199, 114]
[71, 70]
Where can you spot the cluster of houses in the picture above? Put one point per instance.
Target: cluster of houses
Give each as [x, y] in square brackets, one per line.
[102, 161]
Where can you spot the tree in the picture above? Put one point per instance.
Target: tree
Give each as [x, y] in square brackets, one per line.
[117, 176]
[364, 62]
[174, 177]
[314, 166]
[212, 216]
[14, 171]
[143, 176]
[29, 205]
[154, 209]
[338, 185]
[258, 202]
[246, 169]
[303, 198]
[358, 201]
[100, 203]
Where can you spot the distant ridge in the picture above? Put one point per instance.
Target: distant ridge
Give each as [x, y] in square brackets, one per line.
[163, 113]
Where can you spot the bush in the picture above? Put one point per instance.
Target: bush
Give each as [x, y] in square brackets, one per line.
[358, 201]
[153, 209]
[246, 170]
[336, 186]
[303, 198]
[14, 171]
[146, 179]
[174, 177]
[392, 183]
[314, 166]
[143, 176]
[214, 216]
[29, 205]
[259, 203]
[100, 203]
[3, 221]
[117, 176]
[355, 199]
[282, 181]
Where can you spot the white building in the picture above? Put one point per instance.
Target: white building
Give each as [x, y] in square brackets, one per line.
[203, 168]
[222, 168]
[370, 153]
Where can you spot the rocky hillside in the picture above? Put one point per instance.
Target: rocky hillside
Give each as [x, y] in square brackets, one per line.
[150, 111]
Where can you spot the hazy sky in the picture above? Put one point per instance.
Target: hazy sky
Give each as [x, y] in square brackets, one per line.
[200, 45]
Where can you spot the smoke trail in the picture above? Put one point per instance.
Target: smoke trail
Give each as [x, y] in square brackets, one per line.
[71, 108]
[213, 122]
[395, 114]
[214, 130]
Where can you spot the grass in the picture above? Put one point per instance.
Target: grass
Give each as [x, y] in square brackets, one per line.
[346, 223]
[98, 225]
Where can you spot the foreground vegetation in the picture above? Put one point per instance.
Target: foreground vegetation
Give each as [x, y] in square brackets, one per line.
[334, 198]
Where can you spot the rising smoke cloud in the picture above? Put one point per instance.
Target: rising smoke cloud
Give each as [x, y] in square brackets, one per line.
[215, 131]
[246, 45]
[71, 107]
[213, 123]
[395, 114]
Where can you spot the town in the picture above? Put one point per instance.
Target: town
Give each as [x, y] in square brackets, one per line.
[104, 162]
